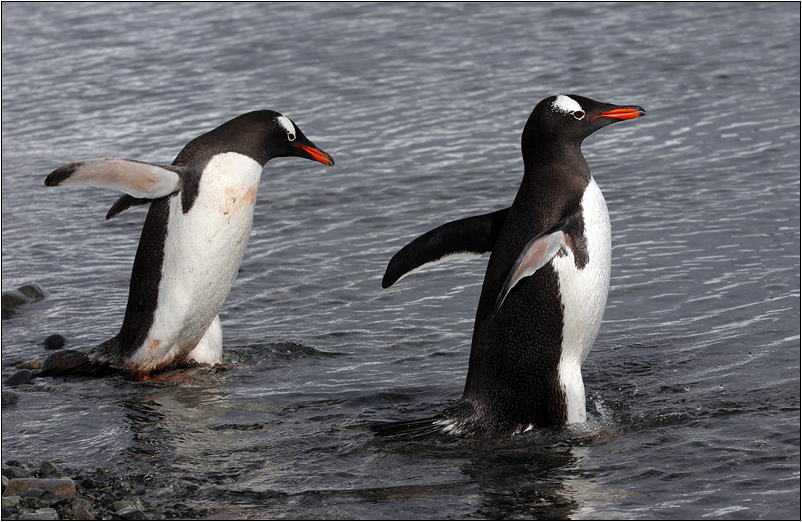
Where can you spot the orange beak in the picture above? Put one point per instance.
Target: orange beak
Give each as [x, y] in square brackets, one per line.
[318, 155]
[625, 113]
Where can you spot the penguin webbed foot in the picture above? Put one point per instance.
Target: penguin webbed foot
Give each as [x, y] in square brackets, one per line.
[411, 430]
[72, 363]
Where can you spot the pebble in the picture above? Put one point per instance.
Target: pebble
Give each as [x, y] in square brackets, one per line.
[30, 365]
[83, 514]
[54, 342]
[11, 501]
[33, 493]
[40, 514]
[131, 513]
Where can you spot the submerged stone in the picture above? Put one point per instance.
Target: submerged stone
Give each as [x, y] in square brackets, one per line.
[19, 378]
[29, 293]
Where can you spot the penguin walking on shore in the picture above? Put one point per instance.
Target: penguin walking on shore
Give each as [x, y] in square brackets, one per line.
[545, 287]
[192, 242]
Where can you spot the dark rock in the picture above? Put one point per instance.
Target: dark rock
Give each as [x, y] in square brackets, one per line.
[15, 463]
[33, 503]
[48, 469]
[33, 493]
[25, 294]
[131, 513]
[5, 514]
[55, 500]
[80, 503]
[54, 342]
[13, 472]
[63, 487]
[20, 377]
[107, 500]
[9, 398]
[121, 504]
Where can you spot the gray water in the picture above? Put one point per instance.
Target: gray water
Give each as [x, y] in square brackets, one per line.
[694, 381]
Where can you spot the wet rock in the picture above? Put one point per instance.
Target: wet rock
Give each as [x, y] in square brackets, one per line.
[80, 503]
[33, 493]
[12, 472]
[9, 398]
[5, 514]
[33, 503]
[121, 504]
[40, 514]
[54, 500]
[19, 378]
[54, 342]
[5, 481]
[82, 514]
[30, 365]
[11, 501]
[25, 294]
[131, 513]
[48, 469]
[64, 487]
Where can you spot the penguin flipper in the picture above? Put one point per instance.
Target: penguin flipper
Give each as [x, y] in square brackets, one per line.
[534, 256]
[124, 203]
[472, 236]
[136, 178]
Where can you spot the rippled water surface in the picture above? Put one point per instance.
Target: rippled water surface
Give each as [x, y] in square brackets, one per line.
[694, 381]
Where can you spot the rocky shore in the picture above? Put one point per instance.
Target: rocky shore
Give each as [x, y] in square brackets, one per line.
[42, 491]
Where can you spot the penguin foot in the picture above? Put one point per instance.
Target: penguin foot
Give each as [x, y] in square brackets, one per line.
[72, 363]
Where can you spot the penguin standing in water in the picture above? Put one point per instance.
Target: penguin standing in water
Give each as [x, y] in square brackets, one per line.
[192, 243]
[546, 282]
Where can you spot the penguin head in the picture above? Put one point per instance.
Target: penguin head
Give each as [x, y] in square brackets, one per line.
[261, 135]
[286, 139]
[569, 119]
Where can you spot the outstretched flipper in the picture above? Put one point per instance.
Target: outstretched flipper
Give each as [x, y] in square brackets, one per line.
[534, 256]
[140, 181]
[469, 237]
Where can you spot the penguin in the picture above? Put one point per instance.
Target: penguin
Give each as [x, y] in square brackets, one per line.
[192, 241]
[545, 286]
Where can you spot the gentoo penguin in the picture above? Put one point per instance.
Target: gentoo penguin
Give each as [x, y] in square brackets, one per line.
[195, 233]
[545, 286]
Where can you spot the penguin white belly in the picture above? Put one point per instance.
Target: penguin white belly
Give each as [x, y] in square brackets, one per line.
[202, 254]
[583, 293]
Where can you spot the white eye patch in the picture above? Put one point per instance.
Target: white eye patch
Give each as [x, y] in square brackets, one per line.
[566, 104]
[288, 126]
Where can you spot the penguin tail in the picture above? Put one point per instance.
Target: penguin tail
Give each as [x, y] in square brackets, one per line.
[72, 363]
[411, 429]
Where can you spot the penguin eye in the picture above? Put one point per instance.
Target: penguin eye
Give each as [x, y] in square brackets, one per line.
[579, 114]
[291, 136]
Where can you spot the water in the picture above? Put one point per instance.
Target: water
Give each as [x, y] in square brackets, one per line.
[693, 383]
